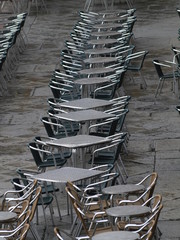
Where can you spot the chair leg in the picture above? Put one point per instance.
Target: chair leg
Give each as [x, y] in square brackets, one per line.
[162, 84]
[51, 212]
[121, 174]
[59, 212]
[143, 80]
[122, 164]
[158, 87]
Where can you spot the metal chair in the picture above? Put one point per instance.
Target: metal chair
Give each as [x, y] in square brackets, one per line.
[98, 223]
[134, 63]
[110, 155]
[105, 128]
[54, 129]
[161, 68]
[44, 158]
[106, 92]
[149, 182]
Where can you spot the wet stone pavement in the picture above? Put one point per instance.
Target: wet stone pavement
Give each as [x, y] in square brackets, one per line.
[154, 142]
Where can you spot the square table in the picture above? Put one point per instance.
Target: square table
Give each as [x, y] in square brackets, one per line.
[78, 141]
[85, 103]
[65, 174]
[84, 116]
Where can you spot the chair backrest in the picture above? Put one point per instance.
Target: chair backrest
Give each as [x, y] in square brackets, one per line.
[105, 128]
[149, 225]
[146, 229]
[149, 182]
[176, 54]
[104, 181]
[73, 193]
[33, 146]
[34, 201]
[23, 176]
[20, 209]
[47, 124]
[57, 233]
[18, 233]
[136, 59]
[81, 217]
[38, 152]
[23, 187]
[121, 114]
[53, 127]
[160, 66]
[24, 231]
[154, 202]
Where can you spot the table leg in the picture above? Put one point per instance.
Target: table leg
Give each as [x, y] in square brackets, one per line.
[74, 157]
[84, 91]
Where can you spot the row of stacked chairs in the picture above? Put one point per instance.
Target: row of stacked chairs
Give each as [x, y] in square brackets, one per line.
[12, 44]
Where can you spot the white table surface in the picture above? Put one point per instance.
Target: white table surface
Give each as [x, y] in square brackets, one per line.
[105, 33]
[94, 60]
[107, 25]
[102, 41]
[123, 189]
[84, 115]
[94, 71]
[116, 235]
[92, 80]
[6, 216]
[78, 141]
[65, 174]
[128, 211]
[85, 103]
[98, 51]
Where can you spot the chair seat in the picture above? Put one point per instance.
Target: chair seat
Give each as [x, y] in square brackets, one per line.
[59, 157]
[103, 159]
[105, 95]
[47, 200]
[49, 189]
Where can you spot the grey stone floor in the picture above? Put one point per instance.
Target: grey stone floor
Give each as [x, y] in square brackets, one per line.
[153, 124]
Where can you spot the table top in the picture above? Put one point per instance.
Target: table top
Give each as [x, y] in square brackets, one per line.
[123, 189]
[118, 235]
[100, 60]
[111, 19]
[6, 216]
[85, 103]
[101, 70]
[107, 25]
[128, 211]
[78, 141]
[92, 80]
[65, 174]
[84, 115]
[105, 33]
[102, 41]
[97, 51]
